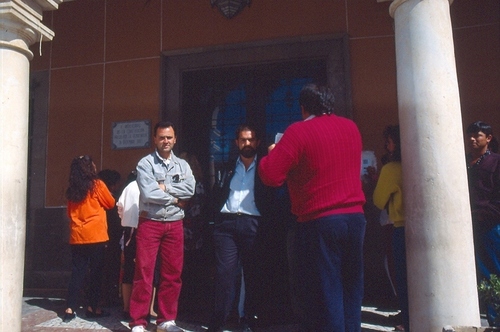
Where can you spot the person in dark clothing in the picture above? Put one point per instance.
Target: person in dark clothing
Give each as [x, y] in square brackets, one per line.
[483, 168]
[240, 204]
[319, 159]
[112, 254]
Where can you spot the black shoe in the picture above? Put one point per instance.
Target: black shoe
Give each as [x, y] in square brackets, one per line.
[126, 316]
[245, 324]
[396, 319]
[245, 328]
[68, 317]
[151, 318]
[92, 314]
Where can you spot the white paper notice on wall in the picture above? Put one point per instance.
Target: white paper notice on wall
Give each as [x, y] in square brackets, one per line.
[278, 137]
[368, 159]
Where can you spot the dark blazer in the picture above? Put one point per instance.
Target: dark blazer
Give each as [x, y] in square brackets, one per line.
[220, 190]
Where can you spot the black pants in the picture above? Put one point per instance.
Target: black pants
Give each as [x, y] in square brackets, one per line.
[234, 242]
[86, 257]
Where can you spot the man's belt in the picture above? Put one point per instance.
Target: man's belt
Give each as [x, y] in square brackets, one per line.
[144, 216]
[236, 215]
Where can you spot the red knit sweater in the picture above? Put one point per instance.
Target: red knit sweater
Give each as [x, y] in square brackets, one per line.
[320, 159]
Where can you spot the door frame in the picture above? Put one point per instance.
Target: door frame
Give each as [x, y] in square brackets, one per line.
[332, 48]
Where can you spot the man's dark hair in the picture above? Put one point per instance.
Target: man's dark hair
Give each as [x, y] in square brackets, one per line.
[478, 126]
[317, 99]
[163, 124]
[393, 133]
[246, 127]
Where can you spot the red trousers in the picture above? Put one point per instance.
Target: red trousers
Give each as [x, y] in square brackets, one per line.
[168, 238]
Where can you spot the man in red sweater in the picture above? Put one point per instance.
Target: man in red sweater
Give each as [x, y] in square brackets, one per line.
[320, 160]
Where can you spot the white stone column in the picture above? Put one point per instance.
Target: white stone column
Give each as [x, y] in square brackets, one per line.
[439, 243]
[20, 26]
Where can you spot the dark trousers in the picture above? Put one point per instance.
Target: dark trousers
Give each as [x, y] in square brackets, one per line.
[234, 243]
[86, 257]
[129, 249]
[399, 247]
[329, 264]
[487, 246]
[488, 252]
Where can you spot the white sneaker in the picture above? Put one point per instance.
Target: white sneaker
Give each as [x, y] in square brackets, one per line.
[168, 326]
[138, 328]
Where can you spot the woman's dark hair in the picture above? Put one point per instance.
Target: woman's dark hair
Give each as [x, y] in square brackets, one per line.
[132, 176]
[82, 176]
[392, 132]
[110, 177]
[316, 99]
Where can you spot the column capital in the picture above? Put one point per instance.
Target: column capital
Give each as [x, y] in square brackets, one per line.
[21, 23]
[396, 3]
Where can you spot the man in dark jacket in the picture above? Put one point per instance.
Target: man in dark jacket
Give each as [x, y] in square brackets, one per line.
[483, 168]
[484, 188]
[240, 199]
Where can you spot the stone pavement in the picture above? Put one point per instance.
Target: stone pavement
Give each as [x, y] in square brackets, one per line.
[44, 314]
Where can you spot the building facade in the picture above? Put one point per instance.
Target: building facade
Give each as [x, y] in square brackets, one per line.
[114, 63]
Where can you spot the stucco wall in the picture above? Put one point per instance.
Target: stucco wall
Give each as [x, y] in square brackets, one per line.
[105, 64]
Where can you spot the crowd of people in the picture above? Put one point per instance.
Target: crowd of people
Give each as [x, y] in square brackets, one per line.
[146, 228]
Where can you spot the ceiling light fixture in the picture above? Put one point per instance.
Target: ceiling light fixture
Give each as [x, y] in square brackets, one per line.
[230, 8]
